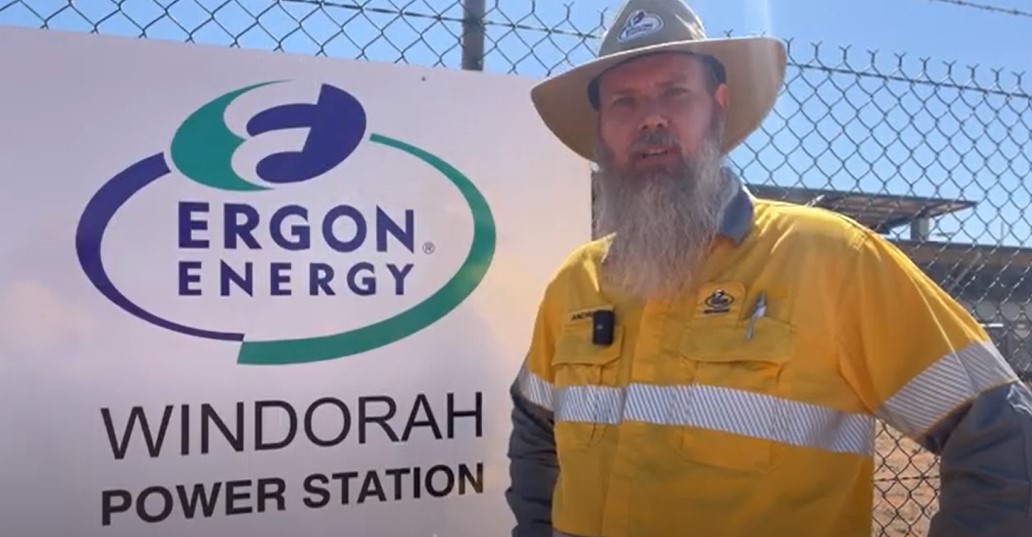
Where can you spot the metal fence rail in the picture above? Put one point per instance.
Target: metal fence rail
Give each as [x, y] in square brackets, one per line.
[933, 154]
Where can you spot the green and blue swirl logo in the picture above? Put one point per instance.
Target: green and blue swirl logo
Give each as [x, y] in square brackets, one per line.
[203, 150]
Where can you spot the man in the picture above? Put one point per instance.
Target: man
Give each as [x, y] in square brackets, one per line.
[713, 364]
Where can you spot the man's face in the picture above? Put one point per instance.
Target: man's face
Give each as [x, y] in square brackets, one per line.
[660, 190]
[665, 93]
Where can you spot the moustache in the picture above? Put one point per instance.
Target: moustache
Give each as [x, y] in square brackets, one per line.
[654, 141]
[654, 138]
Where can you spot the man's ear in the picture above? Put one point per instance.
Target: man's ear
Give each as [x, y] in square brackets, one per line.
[720, 95]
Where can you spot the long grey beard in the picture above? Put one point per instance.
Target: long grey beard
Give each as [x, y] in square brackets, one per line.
[661, 222]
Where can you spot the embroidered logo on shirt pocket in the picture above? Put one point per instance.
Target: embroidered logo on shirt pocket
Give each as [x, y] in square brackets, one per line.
[726, 413]
[586, 378]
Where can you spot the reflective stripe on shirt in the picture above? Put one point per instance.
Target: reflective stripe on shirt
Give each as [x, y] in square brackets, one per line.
[941, 388]
[709, 407]
[944, 386]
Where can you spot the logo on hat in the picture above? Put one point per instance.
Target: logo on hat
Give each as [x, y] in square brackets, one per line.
[640, 24]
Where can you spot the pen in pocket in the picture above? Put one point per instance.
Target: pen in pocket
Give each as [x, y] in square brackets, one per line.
[759, 310]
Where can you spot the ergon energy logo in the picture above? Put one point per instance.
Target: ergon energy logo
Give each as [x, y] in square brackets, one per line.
[264, 222]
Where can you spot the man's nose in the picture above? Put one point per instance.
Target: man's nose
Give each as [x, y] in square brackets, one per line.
[653, 120]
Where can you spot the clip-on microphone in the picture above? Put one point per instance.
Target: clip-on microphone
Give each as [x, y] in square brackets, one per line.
[602, 327]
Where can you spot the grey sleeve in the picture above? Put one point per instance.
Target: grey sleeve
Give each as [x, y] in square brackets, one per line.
[985, 454]
[532, 467]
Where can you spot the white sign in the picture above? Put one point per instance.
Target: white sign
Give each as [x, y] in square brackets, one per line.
[249, 293]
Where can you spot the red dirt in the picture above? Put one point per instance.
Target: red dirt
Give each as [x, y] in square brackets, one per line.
[906, 482]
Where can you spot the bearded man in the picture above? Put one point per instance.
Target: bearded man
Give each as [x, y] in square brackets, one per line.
[714, 364]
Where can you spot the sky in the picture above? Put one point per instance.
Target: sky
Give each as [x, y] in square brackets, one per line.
[875, 136]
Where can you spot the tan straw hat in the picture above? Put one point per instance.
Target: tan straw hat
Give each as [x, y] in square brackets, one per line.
[754, 69]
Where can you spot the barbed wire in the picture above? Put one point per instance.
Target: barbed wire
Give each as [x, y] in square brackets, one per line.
[987, 7]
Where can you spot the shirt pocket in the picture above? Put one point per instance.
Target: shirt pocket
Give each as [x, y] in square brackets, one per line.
[727, 412]
[587, 397]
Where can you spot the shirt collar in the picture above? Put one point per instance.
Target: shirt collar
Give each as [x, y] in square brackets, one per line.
[739, 213]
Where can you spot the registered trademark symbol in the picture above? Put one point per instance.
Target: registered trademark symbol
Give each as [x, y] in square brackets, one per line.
[429, 248]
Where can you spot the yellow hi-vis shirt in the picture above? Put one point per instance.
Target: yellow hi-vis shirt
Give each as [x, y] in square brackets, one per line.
[720, 414]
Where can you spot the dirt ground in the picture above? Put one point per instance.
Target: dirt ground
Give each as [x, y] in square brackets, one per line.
[906, 482]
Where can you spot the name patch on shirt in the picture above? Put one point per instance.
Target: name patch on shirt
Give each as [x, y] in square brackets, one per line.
[587, 313]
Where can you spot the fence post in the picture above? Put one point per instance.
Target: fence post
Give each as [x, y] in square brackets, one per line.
[473, 31]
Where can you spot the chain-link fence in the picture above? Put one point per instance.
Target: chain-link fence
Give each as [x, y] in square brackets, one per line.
[930, 153]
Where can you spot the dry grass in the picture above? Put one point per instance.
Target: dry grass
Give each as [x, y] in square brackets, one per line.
[906, 483]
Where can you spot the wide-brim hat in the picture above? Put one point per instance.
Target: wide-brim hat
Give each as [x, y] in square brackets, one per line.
[754, 69]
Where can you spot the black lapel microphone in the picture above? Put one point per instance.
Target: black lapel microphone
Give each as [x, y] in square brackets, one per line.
[602, 327]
